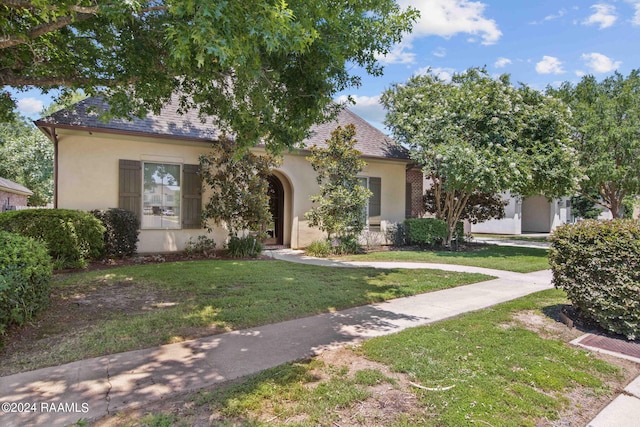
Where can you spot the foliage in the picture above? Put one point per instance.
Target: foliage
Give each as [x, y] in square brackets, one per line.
[396, 234]
[239, 188]
[340, 204]
[606, 116]
[244, 247]
[480, 134]
[72, 237]
[585, 207]
[480, 207]
[597, 263]
[121, 231]
[425, 231]
[347, 245]
[26, 157]
[319, 248]
[267, 70]
[202, 245]
[25, 273]
[628, 205]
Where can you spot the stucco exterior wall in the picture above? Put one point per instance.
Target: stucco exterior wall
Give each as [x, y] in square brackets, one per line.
[88, 179]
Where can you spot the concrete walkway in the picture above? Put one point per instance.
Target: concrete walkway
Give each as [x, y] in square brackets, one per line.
[101, 386]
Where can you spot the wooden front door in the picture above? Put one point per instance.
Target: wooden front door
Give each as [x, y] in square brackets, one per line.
[275, 229]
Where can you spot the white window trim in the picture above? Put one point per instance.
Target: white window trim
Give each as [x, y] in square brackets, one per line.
[162, 162]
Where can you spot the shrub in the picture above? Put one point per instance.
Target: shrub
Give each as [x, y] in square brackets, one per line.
[425, 231]
[121, 235]
[243, 247]
[25, 272]
[319, 248]
[202, 245]
[597, 263]
[71, 236]
[346, 245]
[395, 233]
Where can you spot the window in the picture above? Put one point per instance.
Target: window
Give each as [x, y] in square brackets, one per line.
[162, 195]
[373, 208]
[161, 209]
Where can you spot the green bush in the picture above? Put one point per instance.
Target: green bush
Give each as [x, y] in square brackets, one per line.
[346, 245]
[319, 248]
[202, 245]
[121, 235]
[597, 263]
[395, 233]
[72, 237]
[25, 272]
[425, 231]
[244, 247]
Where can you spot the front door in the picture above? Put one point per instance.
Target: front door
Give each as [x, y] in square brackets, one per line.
[275, 228]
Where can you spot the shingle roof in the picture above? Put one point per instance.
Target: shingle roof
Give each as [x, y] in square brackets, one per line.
[14, 187]
[85, 114]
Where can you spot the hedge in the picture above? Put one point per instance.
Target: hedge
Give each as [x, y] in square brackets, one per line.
[25, 274]
[122, 228]
[72, 237]
[425, 231]
[597, 263]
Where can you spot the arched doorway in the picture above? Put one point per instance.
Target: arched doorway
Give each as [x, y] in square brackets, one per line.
[275, 228]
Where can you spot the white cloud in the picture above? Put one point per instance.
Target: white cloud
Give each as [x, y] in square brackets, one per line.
[444, 73]
[636, 17]
[604, 15]
[30, 105]
[399, 54]
[599, 63]
[447, 18]
[551, 17]
[367, 107]
[549, 65]
[580, 73]
[440, 52]
[502, 62]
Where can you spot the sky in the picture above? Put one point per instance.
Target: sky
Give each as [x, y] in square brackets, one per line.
[537, 42]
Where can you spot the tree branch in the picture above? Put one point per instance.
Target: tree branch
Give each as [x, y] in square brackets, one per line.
[9, 79]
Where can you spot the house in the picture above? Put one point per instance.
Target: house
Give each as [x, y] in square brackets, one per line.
[533, 214]
[12, 195]
[150, 166]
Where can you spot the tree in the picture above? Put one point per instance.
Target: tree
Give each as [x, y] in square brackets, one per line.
[606, 116]
[477, 134]
[480, 206]
[341, 203]
[26, 157]
[263, 68]
[239, 188]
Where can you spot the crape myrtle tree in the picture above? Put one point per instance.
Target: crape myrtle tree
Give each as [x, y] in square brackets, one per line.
[606, 116]
[264, 68]
[478, 134]
[238, 186]
[339, 207]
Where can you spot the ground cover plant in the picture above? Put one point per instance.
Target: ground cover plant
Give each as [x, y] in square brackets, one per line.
[504, 366]
[521, 260]
[127, 308]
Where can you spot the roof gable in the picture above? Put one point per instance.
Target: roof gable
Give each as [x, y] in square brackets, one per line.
[14, 187]
[169, 123]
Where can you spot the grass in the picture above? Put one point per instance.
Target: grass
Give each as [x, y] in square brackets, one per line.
[128, 308]
[508, 258]
[502, 375]
[520, 237]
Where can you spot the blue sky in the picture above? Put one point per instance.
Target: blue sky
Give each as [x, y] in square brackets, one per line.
[537, 42]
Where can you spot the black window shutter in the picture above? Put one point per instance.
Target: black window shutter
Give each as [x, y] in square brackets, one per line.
[191, 197]
[375, 185]
[130, 187]
[408, 193]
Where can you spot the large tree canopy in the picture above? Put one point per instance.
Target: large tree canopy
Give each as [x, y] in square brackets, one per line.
[264, 68]
[480, 134]
[606, 116]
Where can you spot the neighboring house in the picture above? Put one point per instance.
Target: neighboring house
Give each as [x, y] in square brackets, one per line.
[150, 166]
[533, 214]
[12, 195]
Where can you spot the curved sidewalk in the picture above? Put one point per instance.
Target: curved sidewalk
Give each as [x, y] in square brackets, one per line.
[102, 386]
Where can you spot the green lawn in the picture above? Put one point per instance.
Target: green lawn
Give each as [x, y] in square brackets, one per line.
[483, 368]
[509, 258]
[121, 309]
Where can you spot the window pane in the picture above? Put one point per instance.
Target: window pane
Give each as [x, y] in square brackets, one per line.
[161, 196]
